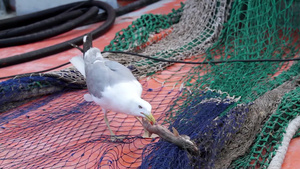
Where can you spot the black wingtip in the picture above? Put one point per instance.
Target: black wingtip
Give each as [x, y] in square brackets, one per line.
[87, 42]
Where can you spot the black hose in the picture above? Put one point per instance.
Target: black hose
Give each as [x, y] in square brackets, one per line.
[134, 6]
[16, 24]
[12, 35]
[111, 15]
[29, 38]
[125, 9]
[31, 18]
[47, 23]
[36, 16]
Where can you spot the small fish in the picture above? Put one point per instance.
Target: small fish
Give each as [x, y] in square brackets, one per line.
[182, 141]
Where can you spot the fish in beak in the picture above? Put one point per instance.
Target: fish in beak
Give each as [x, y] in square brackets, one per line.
[150, 118]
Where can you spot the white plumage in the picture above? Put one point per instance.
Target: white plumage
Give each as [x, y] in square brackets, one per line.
[112, 86]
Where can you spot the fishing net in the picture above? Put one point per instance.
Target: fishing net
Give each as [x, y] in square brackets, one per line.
[200, 25]
[235, 112]
[269, 140]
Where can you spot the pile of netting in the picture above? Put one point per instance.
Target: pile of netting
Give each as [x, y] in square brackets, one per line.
[239, 114]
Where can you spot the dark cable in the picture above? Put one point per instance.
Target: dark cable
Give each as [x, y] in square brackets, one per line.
[164, 60]
[205, 62]
[42, 71]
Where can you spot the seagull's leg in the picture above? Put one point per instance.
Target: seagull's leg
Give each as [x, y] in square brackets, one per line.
[112, 134]
[146, 132]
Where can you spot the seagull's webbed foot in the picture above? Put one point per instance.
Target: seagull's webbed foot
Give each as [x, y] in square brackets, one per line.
[115, 138]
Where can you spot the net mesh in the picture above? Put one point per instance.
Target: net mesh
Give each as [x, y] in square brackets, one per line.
[200, 25]
[236, 113]
[269, 140]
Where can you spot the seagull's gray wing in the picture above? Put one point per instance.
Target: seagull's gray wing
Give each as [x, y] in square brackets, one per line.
[105, 73]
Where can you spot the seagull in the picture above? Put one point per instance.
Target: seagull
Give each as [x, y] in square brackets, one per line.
[111, 85]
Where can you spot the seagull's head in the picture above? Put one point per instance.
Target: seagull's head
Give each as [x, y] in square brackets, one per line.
[143, 109]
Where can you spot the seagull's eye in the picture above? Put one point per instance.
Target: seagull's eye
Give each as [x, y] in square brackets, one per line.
[140, 107]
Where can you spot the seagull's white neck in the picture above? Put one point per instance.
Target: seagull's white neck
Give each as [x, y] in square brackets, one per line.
[129, 106]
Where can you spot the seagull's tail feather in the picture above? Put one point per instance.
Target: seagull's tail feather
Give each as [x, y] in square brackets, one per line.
[78, 63]
[88, 98]
[87, 42]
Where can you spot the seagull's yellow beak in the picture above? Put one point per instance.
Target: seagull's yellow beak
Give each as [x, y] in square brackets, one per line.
[150, 118]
